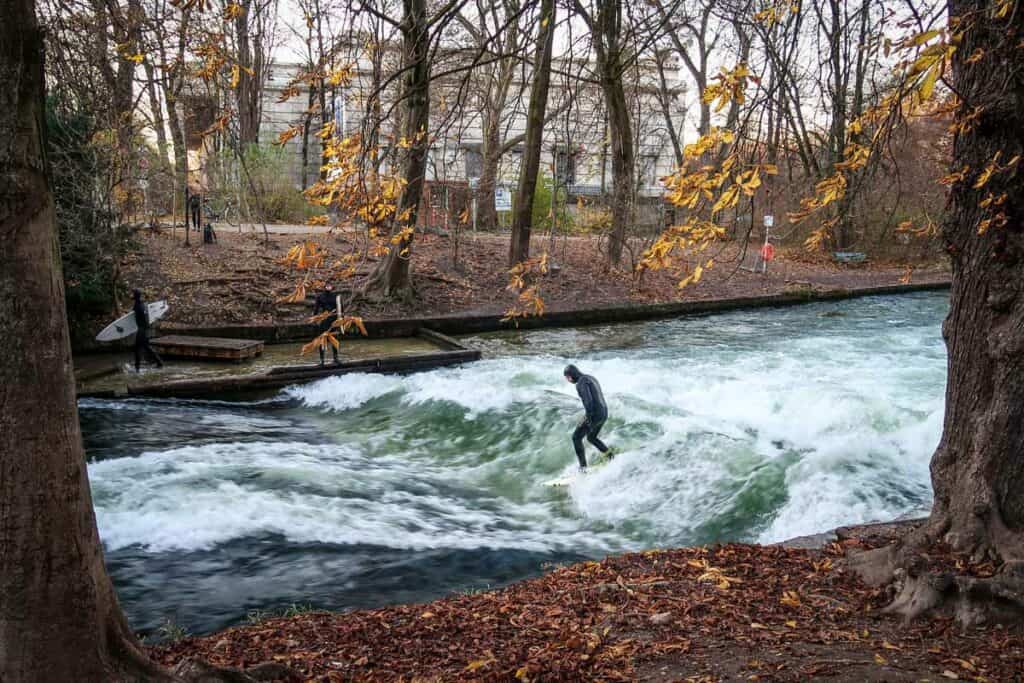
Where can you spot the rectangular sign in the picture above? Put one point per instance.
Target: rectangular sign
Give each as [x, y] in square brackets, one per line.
[502, 199]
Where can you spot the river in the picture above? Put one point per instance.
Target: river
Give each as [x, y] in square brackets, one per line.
[367, 490]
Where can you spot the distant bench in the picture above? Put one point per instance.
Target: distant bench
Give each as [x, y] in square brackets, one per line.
[850, 258]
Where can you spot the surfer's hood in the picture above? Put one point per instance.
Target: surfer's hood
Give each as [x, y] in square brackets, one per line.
[572, 372]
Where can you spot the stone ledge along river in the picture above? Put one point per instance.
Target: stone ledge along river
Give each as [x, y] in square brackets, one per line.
[366, 490]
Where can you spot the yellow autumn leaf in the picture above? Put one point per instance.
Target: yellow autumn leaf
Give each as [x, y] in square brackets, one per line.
[928, 83]
[478, 664]
[984, 177]
[727, 200]
[922, 38]
[790, 598]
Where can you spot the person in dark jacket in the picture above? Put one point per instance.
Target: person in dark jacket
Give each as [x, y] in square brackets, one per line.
[142, 334]
[596, 413]
[326, 300]
[195, 210]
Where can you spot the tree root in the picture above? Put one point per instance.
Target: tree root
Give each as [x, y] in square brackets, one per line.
[192, 670]
[971, 601]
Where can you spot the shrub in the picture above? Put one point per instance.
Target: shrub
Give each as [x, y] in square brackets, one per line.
[265, 178]
[91, 244]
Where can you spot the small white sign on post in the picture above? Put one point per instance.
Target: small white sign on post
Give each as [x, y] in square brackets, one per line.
[502, 199]
[769, 220]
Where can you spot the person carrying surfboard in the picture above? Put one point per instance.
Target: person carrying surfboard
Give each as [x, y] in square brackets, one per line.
[142, 334]
[596, 414]
[327, 300]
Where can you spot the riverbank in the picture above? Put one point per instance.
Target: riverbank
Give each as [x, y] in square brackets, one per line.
[241, 281]
[731, 612]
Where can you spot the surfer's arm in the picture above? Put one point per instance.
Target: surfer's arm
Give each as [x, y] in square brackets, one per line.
[587, 396]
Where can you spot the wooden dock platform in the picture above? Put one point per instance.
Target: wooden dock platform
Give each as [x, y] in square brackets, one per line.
[207, 348]
[451, 353]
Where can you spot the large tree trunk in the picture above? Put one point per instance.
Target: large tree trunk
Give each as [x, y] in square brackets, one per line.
[59, 617]
[608, 44]
[622, 160]
[307, 120]
[978, 468]
[392, 278]
[490, 151]
[522, 218]
[248, 85]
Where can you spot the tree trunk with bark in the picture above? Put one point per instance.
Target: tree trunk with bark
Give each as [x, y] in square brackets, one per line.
[307, 120]
[490, 151]
[978, 467]
[609, 47]
[522, 218]
[248, 86]
[621, 135]
[392, 278]
[59, 616]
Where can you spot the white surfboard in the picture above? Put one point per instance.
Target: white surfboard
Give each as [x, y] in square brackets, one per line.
[125, 325]
[568, 479]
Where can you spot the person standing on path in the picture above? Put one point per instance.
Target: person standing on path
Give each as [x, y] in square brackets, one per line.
[327, 300]
[142, 334]
[195, 210]
[596, 414]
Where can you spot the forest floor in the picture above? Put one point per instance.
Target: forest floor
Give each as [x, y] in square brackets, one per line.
[242, 278]
[721, 613]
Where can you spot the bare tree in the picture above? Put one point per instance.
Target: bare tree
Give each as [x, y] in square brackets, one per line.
[522, 219]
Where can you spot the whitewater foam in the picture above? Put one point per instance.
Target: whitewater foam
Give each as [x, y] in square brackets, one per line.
[732, 428]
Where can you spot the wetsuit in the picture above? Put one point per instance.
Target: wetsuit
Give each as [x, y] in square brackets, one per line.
[325, 301]
[142, 335]
[195, 206]
[596, 409]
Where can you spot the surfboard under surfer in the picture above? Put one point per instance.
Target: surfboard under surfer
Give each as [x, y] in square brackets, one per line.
[596, 413]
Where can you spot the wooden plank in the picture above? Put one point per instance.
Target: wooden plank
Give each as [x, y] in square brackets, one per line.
[280, 377]
[215, 348]
[442, 340]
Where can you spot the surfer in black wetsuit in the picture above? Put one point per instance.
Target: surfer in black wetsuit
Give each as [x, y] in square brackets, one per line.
[596, 409]
[142, 335]
[326, 300]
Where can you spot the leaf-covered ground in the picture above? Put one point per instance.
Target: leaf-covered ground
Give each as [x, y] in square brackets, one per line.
[733, 612]
[242, 280]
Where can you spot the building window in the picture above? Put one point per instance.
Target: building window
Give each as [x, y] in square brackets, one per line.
[650, 170]
[340, 114]
[474, 162]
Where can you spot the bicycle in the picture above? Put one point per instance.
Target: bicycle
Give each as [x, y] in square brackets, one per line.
[222, 210]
